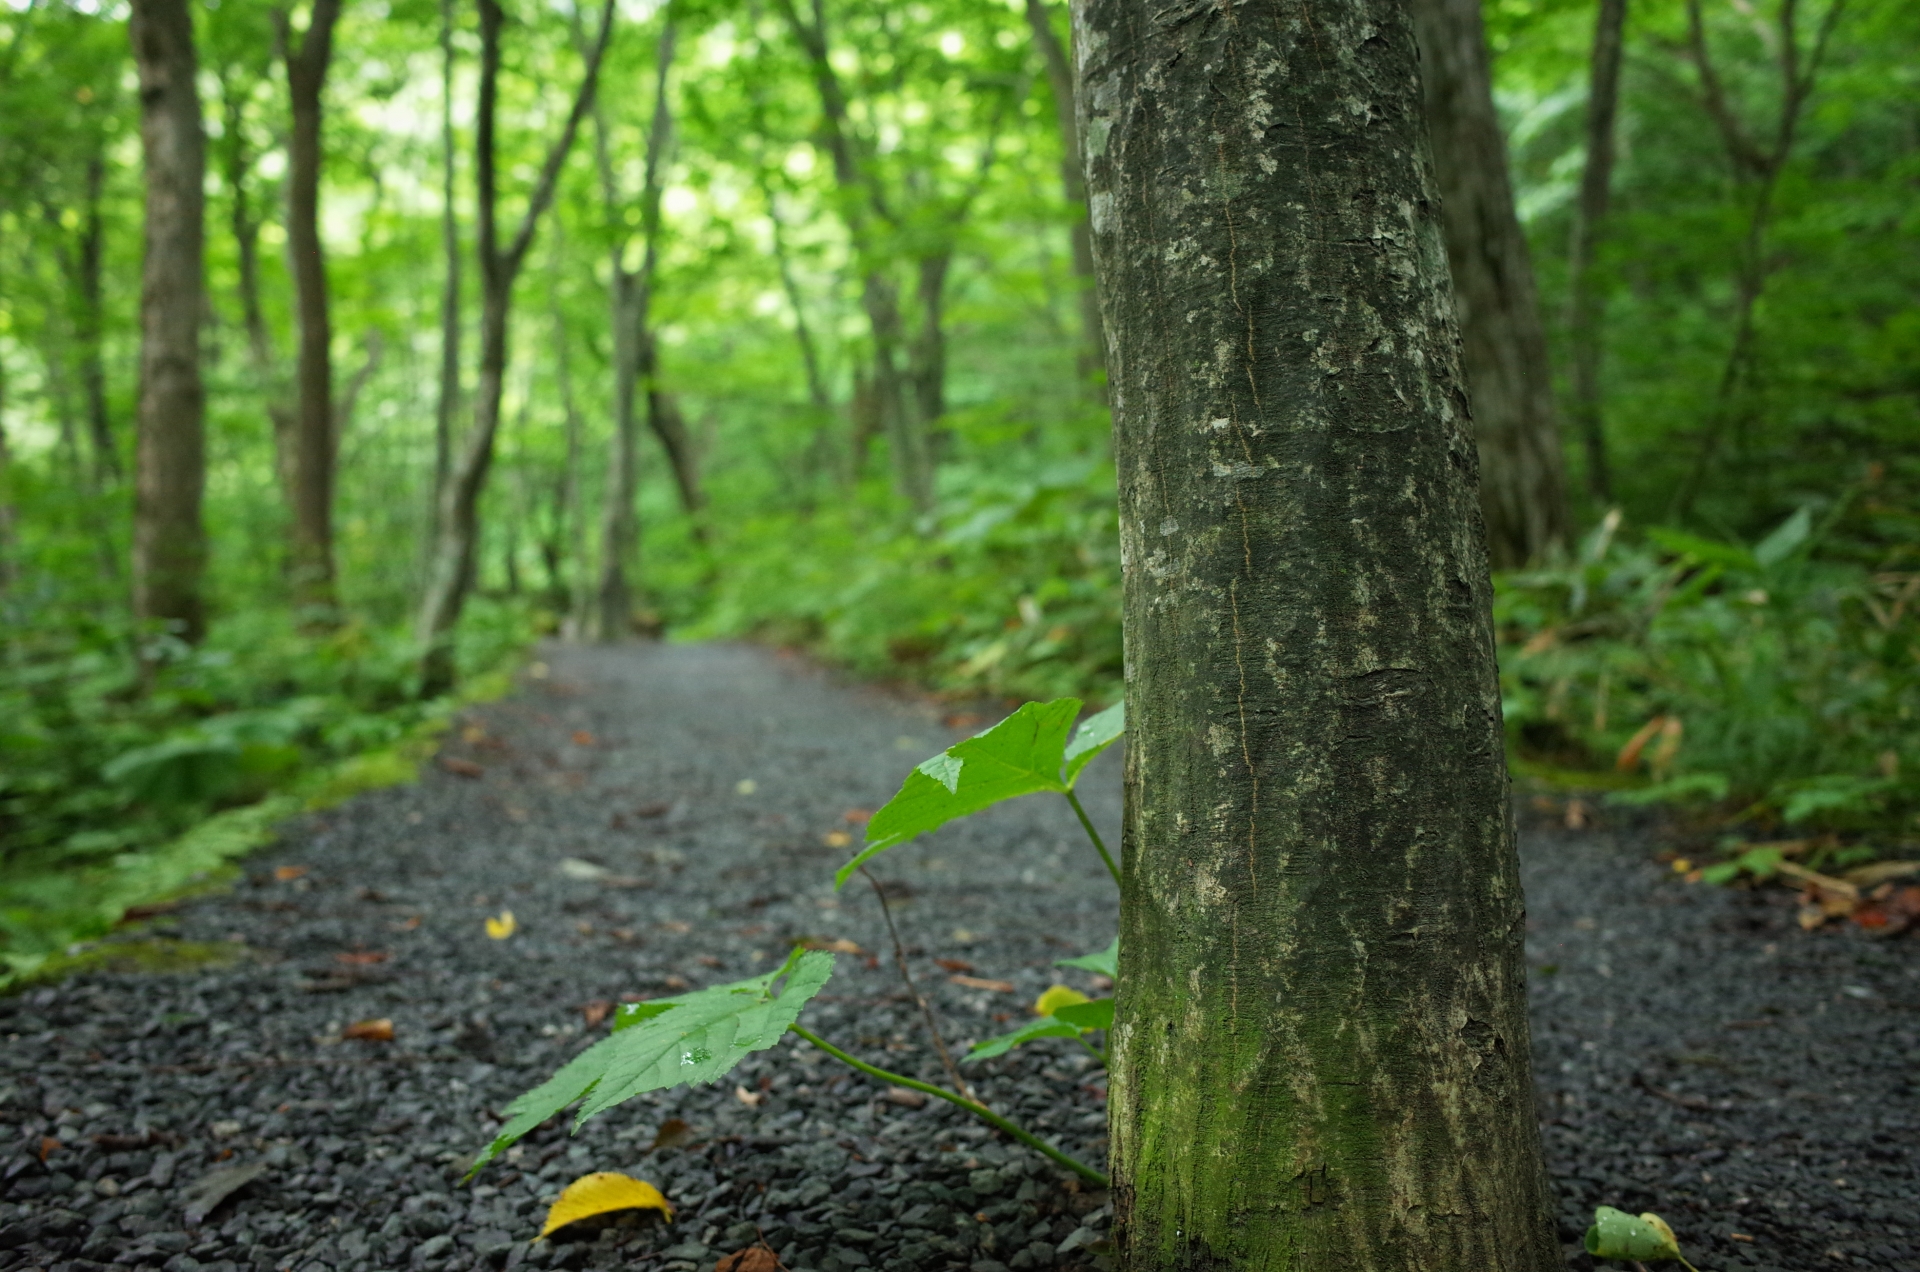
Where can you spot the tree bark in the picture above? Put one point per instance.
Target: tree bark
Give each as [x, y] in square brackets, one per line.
[1504, 346]
[1073, 186]
[91, 327]
[449, 400]
[450, 573]
[169, 539]
[312, 433]
[1586, 304]
[1320, 1058]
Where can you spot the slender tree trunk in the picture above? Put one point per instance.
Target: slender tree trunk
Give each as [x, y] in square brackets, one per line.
[927, 367]
[809, 352]
[169, 539]
[312, 433]
[449, 401]
[1587, 304]
[450, 574]
[1320, 1057]
[244, 222]
[91, 327]
[9, 511]
[1073, 185]
[1503, 344]
[567, 564]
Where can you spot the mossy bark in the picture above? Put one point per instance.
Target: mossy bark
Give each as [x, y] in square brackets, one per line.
[1321, 1054]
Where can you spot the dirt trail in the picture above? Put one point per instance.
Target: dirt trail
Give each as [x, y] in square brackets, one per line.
[659, 816]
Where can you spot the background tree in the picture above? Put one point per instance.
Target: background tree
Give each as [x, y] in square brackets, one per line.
[1320, 1053]
[1503, 344]
[169, 541]
[1586, 304]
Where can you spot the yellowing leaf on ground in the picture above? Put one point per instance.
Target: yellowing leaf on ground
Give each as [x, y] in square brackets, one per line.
[602, 1193]
[380, 1030]
[1055, 998]
[503, 927]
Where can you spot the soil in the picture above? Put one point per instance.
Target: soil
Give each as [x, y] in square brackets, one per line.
[658, 817]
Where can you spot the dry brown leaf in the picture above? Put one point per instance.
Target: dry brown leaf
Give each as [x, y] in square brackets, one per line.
[595, 1012]
[857, 816]
[48, 1146]
[459, 767]
[1629, 757]
[905, 1097]
[982, 982]
[287, 874]
[672, 1134]
[752, 1099]
[380, 1030]
[361, 958]
[953, 964]
[1880, 872]
[1577, 817]
[755, 1258]
[582, 738]
[837, 944]
[675, 982]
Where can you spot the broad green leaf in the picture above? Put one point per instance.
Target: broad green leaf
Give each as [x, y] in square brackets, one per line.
[1018, 756]
[1787, 536]
[1097, 734]
[1615, 1234]
[1675, 790]
[668, 1042]
[1045, 1027]
[1105, 963]
[1085, 1017]
[1706, 551]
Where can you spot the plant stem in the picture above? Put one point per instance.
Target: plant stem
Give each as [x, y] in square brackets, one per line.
[974, 1107]
[926, 1012]
[1087, 824]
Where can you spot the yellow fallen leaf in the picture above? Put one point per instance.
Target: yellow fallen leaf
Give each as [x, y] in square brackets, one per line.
[600, 1193]
[836, 839]
[503, 927]
[1055, 998]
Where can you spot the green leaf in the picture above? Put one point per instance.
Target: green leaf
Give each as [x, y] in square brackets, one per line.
[1044, 1027]
[1725, 872]
[1675, 790]
[1087, 1017]
[1105, 963]
[1097, 734]
[1705, 551]
[1018, 756]
[1787, 536]
[1615, 1234]
[696, 1037]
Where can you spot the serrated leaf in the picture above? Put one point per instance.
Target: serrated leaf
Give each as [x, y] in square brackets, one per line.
[669, 1042]
[1045, 1027]
[1018, 756]
[1097, 734]
[1104, 963]
[602, 1193]
[1055, 997]
[1615, 1234]
[1085, 1017]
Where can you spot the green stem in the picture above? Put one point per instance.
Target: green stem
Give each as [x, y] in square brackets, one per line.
[974, 1107]
[1087, 823]
[1092, 1050]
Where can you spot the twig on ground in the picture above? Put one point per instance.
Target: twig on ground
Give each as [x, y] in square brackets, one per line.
[926, 1012]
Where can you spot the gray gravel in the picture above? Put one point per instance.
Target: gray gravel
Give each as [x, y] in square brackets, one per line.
[1697, 1053]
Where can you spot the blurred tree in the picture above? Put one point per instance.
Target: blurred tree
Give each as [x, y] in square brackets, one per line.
[1586, 303]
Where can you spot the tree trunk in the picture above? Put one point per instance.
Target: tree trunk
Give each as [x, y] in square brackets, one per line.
[1503, 345]
[237, 170]
[1320, 1059]
[1073, 185]
[927, 366]
[169, 540]
[633, 357]
[450, 573]
[312, 434]
[91, 327]
[449, 401]
[1587, 306]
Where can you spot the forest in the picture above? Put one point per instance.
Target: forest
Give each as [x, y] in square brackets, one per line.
[347, 348]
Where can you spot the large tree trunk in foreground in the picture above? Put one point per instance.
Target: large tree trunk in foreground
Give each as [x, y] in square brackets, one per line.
[1523, 490]
[312, 437]
[1586, 308]
[457, 529]
[169, 540]
[1320, 1060]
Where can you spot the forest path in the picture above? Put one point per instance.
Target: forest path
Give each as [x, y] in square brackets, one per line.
[659, 815]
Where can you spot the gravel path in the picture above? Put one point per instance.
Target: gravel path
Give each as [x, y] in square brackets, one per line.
[1696, 1052]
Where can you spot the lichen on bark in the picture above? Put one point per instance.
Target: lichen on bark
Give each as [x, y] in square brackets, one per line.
[1320, 1059]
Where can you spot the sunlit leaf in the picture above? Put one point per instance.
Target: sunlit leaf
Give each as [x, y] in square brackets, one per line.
[503, 927]
[1104, 963]
[1056, 997]
[1096, 735]
[1786, 537]
[668, 1042]
[1089, 1016]
[1045, 1027]
[1018, 756]
[602, 1193]
[1615, 1234]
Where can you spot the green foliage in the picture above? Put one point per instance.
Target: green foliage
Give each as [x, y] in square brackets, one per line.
[1025, 753]
[1104, 963]
[668, 1042]
[1778, 681]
